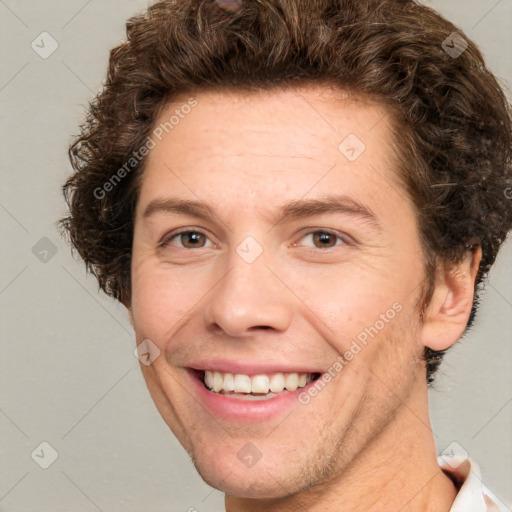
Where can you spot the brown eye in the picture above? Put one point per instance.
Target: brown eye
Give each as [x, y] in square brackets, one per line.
[192, 239]
[325, 239]
[187, 240]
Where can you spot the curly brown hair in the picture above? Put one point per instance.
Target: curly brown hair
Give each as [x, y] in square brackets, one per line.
[452, 116]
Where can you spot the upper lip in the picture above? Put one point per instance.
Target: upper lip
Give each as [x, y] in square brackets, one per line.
[251, 367]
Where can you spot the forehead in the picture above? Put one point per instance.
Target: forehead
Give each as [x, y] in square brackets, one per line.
[285, 142]
[288, 117]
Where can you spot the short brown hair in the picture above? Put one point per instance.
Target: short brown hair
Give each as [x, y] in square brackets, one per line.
[454, 147]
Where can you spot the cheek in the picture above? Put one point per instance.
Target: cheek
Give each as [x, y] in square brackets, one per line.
[159, 302]
[348, 298]
[166, 298]
[359, 310]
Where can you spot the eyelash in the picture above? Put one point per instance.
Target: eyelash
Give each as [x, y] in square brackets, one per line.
[166, 241]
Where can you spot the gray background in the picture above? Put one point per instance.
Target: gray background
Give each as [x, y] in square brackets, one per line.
[68, 374]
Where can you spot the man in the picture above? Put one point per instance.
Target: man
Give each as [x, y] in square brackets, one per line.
[295, 201]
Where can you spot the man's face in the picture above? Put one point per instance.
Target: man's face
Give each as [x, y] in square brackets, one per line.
[250, 292]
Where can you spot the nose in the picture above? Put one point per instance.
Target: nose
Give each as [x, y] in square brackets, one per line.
[249, 297]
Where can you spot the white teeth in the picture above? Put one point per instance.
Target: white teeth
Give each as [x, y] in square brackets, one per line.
[218, 381]
[208, 378]
[291, 382]
[229, 382]
[262, 383]
[276, 382]
[242, 383]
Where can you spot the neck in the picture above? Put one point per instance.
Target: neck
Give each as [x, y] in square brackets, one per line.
[397, 471]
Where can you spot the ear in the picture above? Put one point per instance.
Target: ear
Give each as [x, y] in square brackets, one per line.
[448, 313]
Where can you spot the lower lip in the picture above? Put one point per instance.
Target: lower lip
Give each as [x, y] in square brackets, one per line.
[237, 409]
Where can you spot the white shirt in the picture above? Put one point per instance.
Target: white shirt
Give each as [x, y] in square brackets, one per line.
[473, 495]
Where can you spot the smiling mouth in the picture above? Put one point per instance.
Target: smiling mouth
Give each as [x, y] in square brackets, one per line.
[257, 387]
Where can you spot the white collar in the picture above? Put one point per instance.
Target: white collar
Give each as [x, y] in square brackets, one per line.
[473, 495]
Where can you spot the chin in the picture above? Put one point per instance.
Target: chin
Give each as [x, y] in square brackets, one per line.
[259, 485]
[262, 481]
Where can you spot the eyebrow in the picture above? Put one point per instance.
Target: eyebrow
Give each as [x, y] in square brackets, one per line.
[295, 209]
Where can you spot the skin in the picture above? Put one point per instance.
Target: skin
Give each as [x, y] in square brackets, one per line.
[365, 441]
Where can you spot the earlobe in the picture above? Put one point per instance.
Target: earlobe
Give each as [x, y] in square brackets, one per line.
[447, 314]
